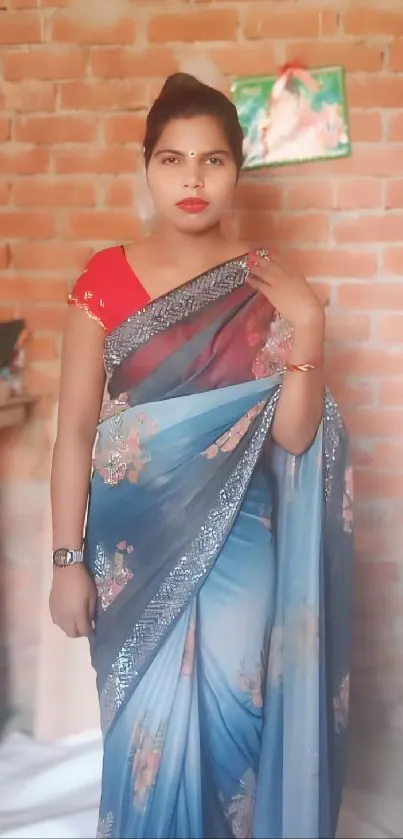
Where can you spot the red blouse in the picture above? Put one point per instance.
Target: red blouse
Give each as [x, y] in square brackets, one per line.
[108, 289]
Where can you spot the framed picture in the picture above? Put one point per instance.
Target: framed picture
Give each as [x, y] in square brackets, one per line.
[298, 116]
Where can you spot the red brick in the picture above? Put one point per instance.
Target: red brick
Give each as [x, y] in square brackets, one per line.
[112, 94]
[395, 133]
[122, 63]
[264, 227]
[329, 21]
[103, 226]
[66, 30]
[365, 361]
[355, 57]
[113, 160]
[393, 260]
[27, 162]
[337, 262]
[386, 228]
[388, 455]
[4, 256]
[124, 128]
[27, 225]
[49, 256]
[23, 4]
[120, 193]
[378, 484]
[370, 296]
[7, 312]
[362, 20]
[20, 27]
[56, 129]
[394, 195]
[61, 194]
[379, 92]
[365, 422]
[313, 196]
[29, 96]
[254, 60]
[4, 129]
[206, 25]
[41, 348]
[390, 328]
[365, 126]
[379, 524]
[358, 193]
[5, 189]
[44, 318]
[391, 396]
[251, 194]
[346, 327]
[44, 64]
[17, 289]
[261, 23]
[357, 395]
[396, 56]
[364, 160]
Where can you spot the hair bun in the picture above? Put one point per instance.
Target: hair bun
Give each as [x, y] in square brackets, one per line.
[179, 81]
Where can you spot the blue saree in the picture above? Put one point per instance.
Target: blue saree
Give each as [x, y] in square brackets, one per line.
[223, 569]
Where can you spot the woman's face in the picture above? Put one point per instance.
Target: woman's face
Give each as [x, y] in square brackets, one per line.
[192, 174]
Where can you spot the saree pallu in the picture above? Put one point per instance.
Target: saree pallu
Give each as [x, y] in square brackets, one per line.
[223, 570]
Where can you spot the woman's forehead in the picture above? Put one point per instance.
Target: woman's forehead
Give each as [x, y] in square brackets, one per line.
[200, 133]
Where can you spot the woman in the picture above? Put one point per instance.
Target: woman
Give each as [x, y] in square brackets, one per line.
[215, 578]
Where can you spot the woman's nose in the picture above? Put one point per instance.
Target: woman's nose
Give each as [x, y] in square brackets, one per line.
[193, 177]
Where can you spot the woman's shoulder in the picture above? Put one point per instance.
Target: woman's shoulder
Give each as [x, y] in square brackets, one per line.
[107, 289]
[90, 290]
[104, 259]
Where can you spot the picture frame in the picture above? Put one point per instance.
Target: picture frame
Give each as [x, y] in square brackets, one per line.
[298, 116]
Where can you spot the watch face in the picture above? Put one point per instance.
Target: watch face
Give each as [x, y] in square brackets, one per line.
[62, 557]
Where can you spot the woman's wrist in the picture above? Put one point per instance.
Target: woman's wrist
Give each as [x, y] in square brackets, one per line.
[307, 345]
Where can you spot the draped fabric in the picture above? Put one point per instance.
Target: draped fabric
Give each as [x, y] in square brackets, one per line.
[223, 570]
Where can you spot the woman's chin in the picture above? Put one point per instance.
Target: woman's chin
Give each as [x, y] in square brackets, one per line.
[195, 223]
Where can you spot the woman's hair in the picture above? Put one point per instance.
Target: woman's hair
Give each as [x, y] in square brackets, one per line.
[183, 97]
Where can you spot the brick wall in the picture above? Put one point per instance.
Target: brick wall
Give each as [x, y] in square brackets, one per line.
[74, 95]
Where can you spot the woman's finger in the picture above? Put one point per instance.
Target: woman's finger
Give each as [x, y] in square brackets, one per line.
[259, 285]
[267, 271]
[83, 624]
[70, 629]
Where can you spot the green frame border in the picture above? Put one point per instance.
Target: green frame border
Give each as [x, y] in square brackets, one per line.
[242, 80]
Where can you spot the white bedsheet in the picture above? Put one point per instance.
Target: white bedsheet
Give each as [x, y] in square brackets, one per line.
[49, 790]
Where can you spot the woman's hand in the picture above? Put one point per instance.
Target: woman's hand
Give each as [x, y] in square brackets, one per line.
[288, 292]
[72, 600]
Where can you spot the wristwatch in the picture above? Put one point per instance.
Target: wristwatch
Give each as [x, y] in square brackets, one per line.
[63, 557]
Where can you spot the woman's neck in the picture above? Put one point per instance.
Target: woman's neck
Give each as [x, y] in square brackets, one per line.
[187, 244]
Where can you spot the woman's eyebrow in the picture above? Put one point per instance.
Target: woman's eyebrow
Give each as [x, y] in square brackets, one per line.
[199, 154]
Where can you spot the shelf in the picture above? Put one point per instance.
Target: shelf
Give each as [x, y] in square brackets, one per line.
[15, 411]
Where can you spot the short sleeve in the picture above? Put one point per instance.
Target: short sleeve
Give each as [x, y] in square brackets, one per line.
[87, 293]
[108, 290]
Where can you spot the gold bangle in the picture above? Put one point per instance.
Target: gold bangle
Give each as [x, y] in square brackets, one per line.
[300, 368]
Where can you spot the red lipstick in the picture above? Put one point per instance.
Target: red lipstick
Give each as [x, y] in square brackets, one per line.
[192, 205]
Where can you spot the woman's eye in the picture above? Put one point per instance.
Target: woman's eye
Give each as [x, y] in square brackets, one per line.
[170, 160]
[214, 161]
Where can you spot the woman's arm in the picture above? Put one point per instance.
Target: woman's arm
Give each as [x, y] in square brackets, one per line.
[82, 384]
[300, 407]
